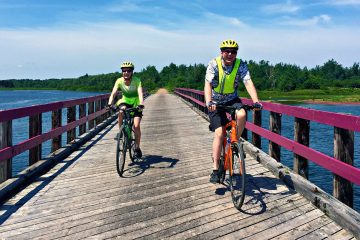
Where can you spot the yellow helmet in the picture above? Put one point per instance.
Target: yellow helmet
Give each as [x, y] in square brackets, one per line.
[127, 64]
[229, 44]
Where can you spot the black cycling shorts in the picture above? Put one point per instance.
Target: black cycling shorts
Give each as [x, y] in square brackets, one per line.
[219, 118]
[136, 113]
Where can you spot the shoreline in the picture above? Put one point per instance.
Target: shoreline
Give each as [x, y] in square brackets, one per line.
[329, 102]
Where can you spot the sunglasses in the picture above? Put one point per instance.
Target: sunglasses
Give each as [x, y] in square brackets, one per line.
[127, 70]
[230, 51]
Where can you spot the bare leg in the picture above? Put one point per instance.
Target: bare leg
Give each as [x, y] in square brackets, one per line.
[240, 122]
[137, 131]
[218, 139]
[120, 118]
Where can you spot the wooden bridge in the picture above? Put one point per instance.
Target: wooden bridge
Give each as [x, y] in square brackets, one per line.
[167, 194]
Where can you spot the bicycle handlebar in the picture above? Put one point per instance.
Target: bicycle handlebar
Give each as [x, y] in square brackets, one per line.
[138, 108]
[230, 108]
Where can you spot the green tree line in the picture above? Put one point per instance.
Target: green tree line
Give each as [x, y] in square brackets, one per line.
[281, 76]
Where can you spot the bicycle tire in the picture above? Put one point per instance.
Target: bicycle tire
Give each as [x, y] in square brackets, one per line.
[237, 178]
[221, 171]
[132, 146]
[121, 148]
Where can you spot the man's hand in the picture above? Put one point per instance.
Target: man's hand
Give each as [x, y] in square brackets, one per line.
[140, 107]
[257, 106]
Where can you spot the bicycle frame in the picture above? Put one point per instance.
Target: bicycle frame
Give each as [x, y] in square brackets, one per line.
[125, 140]
[233, 158]
[128, 122]
[228, 143]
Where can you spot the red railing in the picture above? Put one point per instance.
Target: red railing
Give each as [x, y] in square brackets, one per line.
[344, 125]
[96, 113]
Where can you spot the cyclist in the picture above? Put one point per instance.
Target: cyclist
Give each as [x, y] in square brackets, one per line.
[132, 96]
[223, 75]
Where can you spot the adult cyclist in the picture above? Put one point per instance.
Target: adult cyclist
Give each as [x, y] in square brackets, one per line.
[132, 96]
[223, 76]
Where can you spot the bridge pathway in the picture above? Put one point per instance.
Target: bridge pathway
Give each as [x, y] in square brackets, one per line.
[167, 195]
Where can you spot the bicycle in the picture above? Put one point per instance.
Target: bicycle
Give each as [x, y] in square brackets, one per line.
[233, 158]
[125, 139]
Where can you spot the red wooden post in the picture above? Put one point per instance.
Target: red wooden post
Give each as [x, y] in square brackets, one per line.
[35, 128]
[103, 104]
[244, 134]
[71, 116]
[82, 113]
[344, 151]
[90, 111]
[301, 135]
[256, 139]
[56, 119]
[275, 126]
[97, 108]
[5, 141]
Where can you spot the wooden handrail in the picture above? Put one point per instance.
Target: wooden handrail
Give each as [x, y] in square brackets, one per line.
[11, 114]
[23, 146]
[36, 137]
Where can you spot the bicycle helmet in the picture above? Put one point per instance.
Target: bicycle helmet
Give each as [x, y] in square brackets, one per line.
[127, 64]
[229, 44]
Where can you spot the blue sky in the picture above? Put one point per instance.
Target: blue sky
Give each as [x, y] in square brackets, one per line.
[58, 39]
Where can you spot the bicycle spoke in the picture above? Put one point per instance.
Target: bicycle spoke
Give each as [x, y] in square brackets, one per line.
[132, 148]
[237, 179]
[121, 148]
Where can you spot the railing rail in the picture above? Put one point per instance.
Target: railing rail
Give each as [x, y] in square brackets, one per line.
[95, 115]
[344, 125]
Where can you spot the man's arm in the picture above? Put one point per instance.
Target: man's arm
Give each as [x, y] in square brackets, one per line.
[207, 92]
[250, 87]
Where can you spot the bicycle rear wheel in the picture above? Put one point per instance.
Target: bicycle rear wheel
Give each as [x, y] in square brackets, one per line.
[221, 171]
[237, 178]
[121, 148]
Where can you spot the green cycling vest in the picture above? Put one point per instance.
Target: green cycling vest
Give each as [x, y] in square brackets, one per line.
[226, 81]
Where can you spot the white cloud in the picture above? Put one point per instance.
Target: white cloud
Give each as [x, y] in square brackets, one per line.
[311, 22]
[344, 2]
[226, 21]
[287, 7]
[129, 6]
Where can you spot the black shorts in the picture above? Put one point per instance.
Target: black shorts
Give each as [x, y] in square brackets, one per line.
[219, 118]
[136, 113]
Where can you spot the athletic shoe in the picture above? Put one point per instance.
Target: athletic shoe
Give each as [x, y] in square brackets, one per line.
[138, 153]
[214, 177]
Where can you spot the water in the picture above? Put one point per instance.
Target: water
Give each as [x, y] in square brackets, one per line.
[26, 98]
[318, 175]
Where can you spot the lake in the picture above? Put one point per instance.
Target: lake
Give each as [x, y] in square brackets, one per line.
[25, 98]
[321, 136]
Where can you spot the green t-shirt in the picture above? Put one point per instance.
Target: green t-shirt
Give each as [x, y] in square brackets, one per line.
[129, 93]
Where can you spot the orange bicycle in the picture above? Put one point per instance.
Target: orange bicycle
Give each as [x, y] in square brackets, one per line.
[233, 158]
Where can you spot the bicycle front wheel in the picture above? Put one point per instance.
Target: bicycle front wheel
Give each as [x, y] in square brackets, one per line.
[132, 147]
[237, 178]
[221, 171]
[121, 148]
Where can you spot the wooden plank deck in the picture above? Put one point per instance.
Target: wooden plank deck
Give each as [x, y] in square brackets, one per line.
[167, 195]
